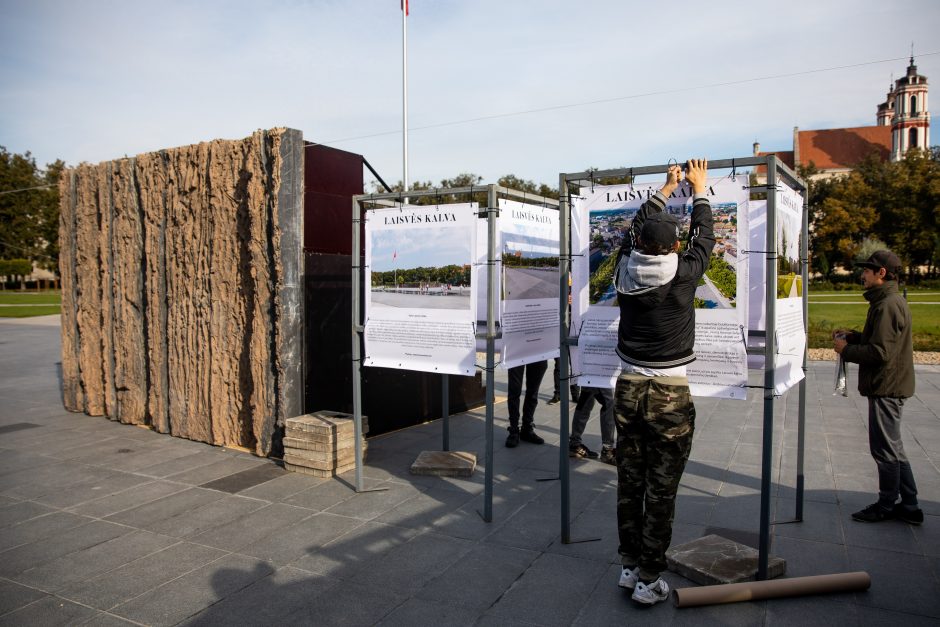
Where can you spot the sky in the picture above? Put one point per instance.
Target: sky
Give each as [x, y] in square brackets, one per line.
[415, 247]
[607, 83]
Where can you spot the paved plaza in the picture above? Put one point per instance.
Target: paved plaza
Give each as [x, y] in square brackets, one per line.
[109, 524]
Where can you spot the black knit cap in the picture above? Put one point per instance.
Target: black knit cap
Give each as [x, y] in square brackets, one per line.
[882, 259]
[660, 229]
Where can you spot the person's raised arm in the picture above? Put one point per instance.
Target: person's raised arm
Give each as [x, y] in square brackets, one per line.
[701, 239]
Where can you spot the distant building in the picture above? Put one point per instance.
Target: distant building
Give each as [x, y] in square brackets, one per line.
[903, 122]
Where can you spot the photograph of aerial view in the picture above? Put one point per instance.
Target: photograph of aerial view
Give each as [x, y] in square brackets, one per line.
[719, 286]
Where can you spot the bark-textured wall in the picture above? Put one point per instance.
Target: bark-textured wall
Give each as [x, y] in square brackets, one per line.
[182, 289]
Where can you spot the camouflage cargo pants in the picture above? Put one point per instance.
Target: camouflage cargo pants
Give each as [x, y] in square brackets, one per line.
[655, 421]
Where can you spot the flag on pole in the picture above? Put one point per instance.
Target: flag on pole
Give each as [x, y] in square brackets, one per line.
[404, 6]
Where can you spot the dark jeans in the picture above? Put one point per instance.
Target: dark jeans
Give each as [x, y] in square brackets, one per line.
[583, 411]
[884, 440]
[532, 373]
[655, 422]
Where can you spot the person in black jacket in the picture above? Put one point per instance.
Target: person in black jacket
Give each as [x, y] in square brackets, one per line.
[885, 356]
[656, 280]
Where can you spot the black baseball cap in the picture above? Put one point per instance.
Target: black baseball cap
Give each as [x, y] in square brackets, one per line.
[882, 259]
[661, 229]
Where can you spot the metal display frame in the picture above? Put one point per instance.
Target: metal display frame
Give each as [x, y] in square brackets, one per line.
[776, 171]
[490, 212]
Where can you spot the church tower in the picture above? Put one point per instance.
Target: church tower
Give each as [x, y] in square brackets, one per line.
[910, 124]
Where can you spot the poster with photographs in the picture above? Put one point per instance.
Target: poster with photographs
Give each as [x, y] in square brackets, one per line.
[420, 304]
[600, 218]
[790, 331]
[530, 274]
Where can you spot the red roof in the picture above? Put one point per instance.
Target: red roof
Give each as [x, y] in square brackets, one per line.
[843, 148]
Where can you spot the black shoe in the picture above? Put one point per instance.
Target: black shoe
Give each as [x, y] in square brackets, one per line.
[873, 513]
[609, 456]
[581, 451]
[554, 399]
[910, 516]
[512, 440]
[529, 435]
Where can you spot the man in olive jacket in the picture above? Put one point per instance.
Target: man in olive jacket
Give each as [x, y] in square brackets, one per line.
[885, 357]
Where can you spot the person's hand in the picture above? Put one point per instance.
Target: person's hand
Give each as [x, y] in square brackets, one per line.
[838, 344]
[697, 174]
[673, 177]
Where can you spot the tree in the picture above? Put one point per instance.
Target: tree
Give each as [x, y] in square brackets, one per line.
[29, 212]
[896, 202]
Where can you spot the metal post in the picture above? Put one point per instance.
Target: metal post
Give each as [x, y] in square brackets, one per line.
[445, 409]
[356, 342]
[769, 364]
[491, 301]
[801, 427]
[564, 260]
[404, 98]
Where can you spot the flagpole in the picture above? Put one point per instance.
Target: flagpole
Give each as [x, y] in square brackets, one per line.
[404, 89]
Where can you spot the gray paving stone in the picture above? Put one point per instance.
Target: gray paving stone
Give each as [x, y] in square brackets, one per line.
[267, 601]
[492, 569]
[830, 609]
[91, 490]
[93, 560]
[327, 494]
[33, 483]
[351, 552]
[406, 568]
[190, 594]
[39, 552]
[18, 511]
[890, 535]
[306, 537]
[369, 505]
[14, 596]
[181, 464]
[152, 513]
[245, 479]
[140, 576]
[421, 612]
[281, 488]
[350, 604]
[48, 611]
[205, 517]
[252, 527]
[103, 619]
[821, 522]
[902, 584]
[806, 558]
[217, 470]
[420, 511]
[551, 591]
[41, 527]
[128, 499]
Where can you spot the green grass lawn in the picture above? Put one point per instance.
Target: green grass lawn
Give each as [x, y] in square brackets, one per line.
[14, 304]
[848, 310]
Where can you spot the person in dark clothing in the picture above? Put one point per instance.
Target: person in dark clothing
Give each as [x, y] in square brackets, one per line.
[656, 280]
[532, 373]
[556, 395]
[885, 356]
[576, 448]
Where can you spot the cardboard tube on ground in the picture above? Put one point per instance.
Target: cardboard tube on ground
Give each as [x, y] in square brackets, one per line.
[772, 589]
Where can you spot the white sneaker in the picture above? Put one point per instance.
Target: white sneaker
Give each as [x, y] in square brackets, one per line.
[628, 578]
[649, 594]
